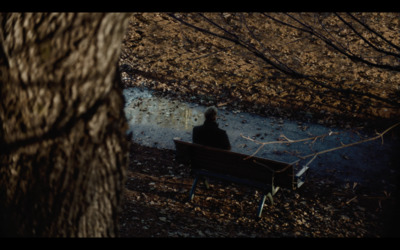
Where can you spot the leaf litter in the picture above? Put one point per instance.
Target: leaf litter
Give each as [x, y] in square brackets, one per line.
[155, 204]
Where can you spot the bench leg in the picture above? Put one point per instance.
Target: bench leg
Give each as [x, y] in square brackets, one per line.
[274, 190]
[261, 206]
[271, 199]
[191, 194]
[206, 183]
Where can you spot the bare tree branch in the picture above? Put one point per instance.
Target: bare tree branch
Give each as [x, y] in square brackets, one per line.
[380, 135]
[286, 140]
[284, 67]
[365, 39]
[375, 32]
[345, 52]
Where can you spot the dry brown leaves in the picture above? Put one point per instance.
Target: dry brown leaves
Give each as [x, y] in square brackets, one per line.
[175, 59]
[156, 204]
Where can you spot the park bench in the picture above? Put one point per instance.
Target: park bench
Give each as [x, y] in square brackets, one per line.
[263, 174]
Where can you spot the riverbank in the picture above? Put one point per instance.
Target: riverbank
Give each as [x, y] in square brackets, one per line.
[155, 120]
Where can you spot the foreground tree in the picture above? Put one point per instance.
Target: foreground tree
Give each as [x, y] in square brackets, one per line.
[62, 126]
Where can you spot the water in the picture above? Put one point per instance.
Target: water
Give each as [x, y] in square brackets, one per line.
[156, 121]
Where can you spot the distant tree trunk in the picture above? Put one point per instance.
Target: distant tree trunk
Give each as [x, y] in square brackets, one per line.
[62, 127]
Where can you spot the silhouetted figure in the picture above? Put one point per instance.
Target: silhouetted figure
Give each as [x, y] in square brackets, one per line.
[209, 134]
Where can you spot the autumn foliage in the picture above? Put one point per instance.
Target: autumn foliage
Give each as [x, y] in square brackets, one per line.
[323, 65]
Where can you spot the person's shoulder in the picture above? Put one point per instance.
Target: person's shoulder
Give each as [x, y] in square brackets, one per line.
[197, 127]
[221, 130]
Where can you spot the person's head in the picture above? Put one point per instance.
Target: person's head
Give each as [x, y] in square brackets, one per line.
[211, 113]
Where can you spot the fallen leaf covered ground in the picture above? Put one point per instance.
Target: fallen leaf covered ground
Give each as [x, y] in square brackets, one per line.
[160, 53]
[156, 204]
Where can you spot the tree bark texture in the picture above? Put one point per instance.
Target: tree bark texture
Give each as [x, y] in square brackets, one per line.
[62, 126]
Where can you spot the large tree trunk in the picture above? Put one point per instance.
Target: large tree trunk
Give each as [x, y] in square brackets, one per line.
[62, 126]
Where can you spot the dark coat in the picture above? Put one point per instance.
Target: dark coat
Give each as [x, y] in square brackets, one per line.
[209, 134]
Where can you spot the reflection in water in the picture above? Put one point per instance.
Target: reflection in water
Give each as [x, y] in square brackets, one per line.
[161, 112]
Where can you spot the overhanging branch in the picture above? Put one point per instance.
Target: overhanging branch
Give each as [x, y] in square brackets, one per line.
[228, 36]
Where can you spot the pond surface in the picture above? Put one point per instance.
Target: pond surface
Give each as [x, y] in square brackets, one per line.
[156, 121]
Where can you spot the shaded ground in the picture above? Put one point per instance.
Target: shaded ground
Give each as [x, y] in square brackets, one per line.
[156, 204]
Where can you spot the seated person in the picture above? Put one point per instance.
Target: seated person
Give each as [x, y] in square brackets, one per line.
[209, 134]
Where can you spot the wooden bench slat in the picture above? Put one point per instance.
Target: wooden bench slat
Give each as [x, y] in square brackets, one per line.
[234, 163]
[236, 167]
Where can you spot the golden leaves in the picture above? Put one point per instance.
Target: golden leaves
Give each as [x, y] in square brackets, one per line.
[196, 63]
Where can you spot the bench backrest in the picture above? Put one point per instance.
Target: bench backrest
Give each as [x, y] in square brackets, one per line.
[235, 164]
